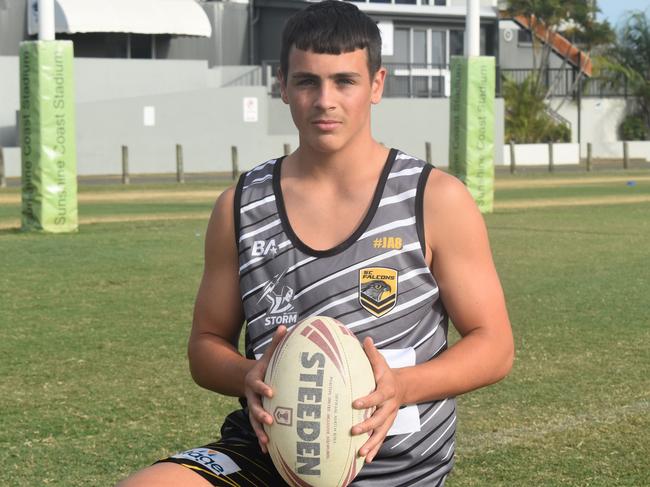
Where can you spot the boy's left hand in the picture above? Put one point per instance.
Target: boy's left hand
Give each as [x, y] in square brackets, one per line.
[386, 398]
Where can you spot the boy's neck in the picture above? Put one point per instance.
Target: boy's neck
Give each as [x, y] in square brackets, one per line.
[348, 163]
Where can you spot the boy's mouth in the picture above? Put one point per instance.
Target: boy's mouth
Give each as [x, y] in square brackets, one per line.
[326, 124]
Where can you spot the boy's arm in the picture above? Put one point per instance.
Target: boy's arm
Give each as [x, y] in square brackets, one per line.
[461, 261]
[215, 362]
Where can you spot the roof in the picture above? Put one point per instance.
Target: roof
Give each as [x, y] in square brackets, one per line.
[180, 17]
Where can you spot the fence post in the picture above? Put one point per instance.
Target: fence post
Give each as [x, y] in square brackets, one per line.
[626, 155]
[3, 178]
[287, 149]
[125, 165]
[551, 162]
[235, 162]
[588, 156]
[427, 150]
[512, 157]
[180, 171]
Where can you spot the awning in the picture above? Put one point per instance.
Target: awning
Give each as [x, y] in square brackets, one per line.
[179, 17]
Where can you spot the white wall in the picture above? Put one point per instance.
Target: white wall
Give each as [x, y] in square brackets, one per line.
[600, 119]
[538, 154]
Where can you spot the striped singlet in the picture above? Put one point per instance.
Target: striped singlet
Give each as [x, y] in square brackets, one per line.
[376, 282]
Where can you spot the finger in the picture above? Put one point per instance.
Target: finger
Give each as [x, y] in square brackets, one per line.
[261, 388]
[279, 334]
[375, 421]
[371, 456]
[256, 408]
[376, 440]
[260, 414]
[371, 351]
[262, 438]
[373, 399]
[376, 359]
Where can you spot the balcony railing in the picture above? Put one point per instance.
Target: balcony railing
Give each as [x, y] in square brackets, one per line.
[412, 80]
[562, 82]
[403, 80]
[438, 3]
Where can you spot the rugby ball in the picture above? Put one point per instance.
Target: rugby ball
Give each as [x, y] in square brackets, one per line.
[316, 372]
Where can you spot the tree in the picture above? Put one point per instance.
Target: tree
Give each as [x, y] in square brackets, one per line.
[573, 19]
[631, 57]
[528, 104]
[526, 120]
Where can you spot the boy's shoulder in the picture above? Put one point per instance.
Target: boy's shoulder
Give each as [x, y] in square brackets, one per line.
[261, 169]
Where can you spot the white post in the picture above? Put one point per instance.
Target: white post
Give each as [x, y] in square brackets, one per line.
[46, 27]
[473, 29]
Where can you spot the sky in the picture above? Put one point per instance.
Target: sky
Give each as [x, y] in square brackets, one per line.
[613, 10]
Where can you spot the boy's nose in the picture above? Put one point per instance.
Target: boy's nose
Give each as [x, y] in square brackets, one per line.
[325, 99]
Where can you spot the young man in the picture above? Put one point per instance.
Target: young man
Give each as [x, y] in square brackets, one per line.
[344, 227]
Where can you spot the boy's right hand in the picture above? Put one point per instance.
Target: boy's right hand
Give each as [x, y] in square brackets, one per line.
[256, 388]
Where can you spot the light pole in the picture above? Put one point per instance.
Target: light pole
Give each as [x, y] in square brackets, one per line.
[473, 29]
[471, 114]
[47, 129]
[46, 24]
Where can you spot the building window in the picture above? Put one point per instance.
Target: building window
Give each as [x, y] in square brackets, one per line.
[402, 46]
[524, 36]
[438, 47]
[456, 42]
[420, 46]
[418, 66]
[142, 46]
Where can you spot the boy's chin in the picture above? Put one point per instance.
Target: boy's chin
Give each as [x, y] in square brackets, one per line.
[326, 144]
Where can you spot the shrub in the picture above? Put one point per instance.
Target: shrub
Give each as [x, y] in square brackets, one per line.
[526, 120]
[634, 127]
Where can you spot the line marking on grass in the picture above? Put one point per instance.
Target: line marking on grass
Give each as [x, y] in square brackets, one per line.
[15, 223]
[577, 181]
[498, 205]
[583, 201]
[128, 196]
[526, 434]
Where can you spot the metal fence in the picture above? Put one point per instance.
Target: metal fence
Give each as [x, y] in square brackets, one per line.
[404, 80]
[252, 77]
[563, 82]
[412, 80]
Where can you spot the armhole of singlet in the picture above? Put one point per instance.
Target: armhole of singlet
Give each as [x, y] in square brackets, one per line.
[419, 206]
[237, 207]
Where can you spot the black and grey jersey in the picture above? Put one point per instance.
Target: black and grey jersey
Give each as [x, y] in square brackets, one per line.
[376, 282]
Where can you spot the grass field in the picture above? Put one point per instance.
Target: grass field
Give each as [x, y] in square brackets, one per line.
[93, 329]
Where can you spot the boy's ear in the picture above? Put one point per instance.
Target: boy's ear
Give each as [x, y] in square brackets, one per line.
[283, 86]
[377, 89]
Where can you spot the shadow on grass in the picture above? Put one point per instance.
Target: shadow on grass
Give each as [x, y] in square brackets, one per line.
[11, 231]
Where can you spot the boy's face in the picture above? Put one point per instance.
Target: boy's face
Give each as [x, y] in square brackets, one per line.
[330, 97]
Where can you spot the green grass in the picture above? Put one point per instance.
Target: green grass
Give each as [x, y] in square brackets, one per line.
[93, 331]
[586, 191]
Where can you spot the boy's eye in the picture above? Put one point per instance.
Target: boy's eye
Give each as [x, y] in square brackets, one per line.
[306, 82]
[345, 81]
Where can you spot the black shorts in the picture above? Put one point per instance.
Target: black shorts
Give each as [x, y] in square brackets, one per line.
[230, 464]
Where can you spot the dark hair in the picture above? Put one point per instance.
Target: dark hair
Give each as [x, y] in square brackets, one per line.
[331, 27]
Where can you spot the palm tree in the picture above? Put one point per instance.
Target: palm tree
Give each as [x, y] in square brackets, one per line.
[631, 57]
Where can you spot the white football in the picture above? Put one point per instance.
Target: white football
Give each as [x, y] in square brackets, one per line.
[316, 372]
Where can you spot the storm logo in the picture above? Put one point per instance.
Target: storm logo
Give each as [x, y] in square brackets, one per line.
[378, 289]
[281, 310]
